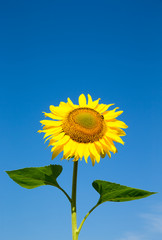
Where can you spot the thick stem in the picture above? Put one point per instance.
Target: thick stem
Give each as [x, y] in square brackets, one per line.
[73, 203]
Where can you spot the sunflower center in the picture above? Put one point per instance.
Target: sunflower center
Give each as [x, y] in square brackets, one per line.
[84, 125]
[86, 120]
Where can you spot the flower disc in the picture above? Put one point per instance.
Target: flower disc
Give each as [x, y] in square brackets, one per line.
[84, 125]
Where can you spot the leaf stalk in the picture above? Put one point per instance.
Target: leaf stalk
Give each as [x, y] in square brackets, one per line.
[81, 225]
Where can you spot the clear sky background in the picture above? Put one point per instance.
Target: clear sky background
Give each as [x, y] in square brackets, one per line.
[51, 50]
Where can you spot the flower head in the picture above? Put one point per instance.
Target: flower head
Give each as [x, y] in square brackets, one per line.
[85, 130]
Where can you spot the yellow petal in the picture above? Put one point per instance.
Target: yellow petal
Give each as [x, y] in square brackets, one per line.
[62, 141]
[62, 104]
[66, 106]
[89, 100]
[59, 111]
[99, 147]
[86, 153]
[47, 139]
[51, 130]
[70, 148]
[121, 132]
[71, 103]
[102, 107]
[74, 146]
[115, 137]
[80, 150]
[92, 104]
[53, 116]
[117, 123]
[67, 150]
[105, 147]
[110, 143]
[56, 151]
[104, 144]
[82, 100]
[51, 123]
[116, 131]
[111, 114]
[109, 154]
[93, 151]
[67, 147]
[56, 138]
[92, 159]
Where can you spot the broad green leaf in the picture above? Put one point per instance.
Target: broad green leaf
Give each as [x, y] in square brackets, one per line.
[36, 176]
[118, 193]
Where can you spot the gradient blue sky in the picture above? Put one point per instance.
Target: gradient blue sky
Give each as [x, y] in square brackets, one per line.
[51, 50]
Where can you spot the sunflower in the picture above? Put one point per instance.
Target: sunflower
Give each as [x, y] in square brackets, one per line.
[85, 130]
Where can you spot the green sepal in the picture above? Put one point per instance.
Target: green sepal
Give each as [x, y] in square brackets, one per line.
[118, 193]
[36, 176]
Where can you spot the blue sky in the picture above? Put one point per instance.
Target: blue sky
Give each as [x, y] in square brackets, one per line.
[51, 50]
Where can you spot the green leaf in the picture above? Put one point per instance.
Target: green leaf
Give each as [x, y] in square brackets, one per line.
[118, 193]
[36, 176]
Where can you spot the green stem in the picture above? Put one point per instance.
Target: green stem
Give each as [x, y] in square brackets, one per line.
[86, 218]
[73, 203]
